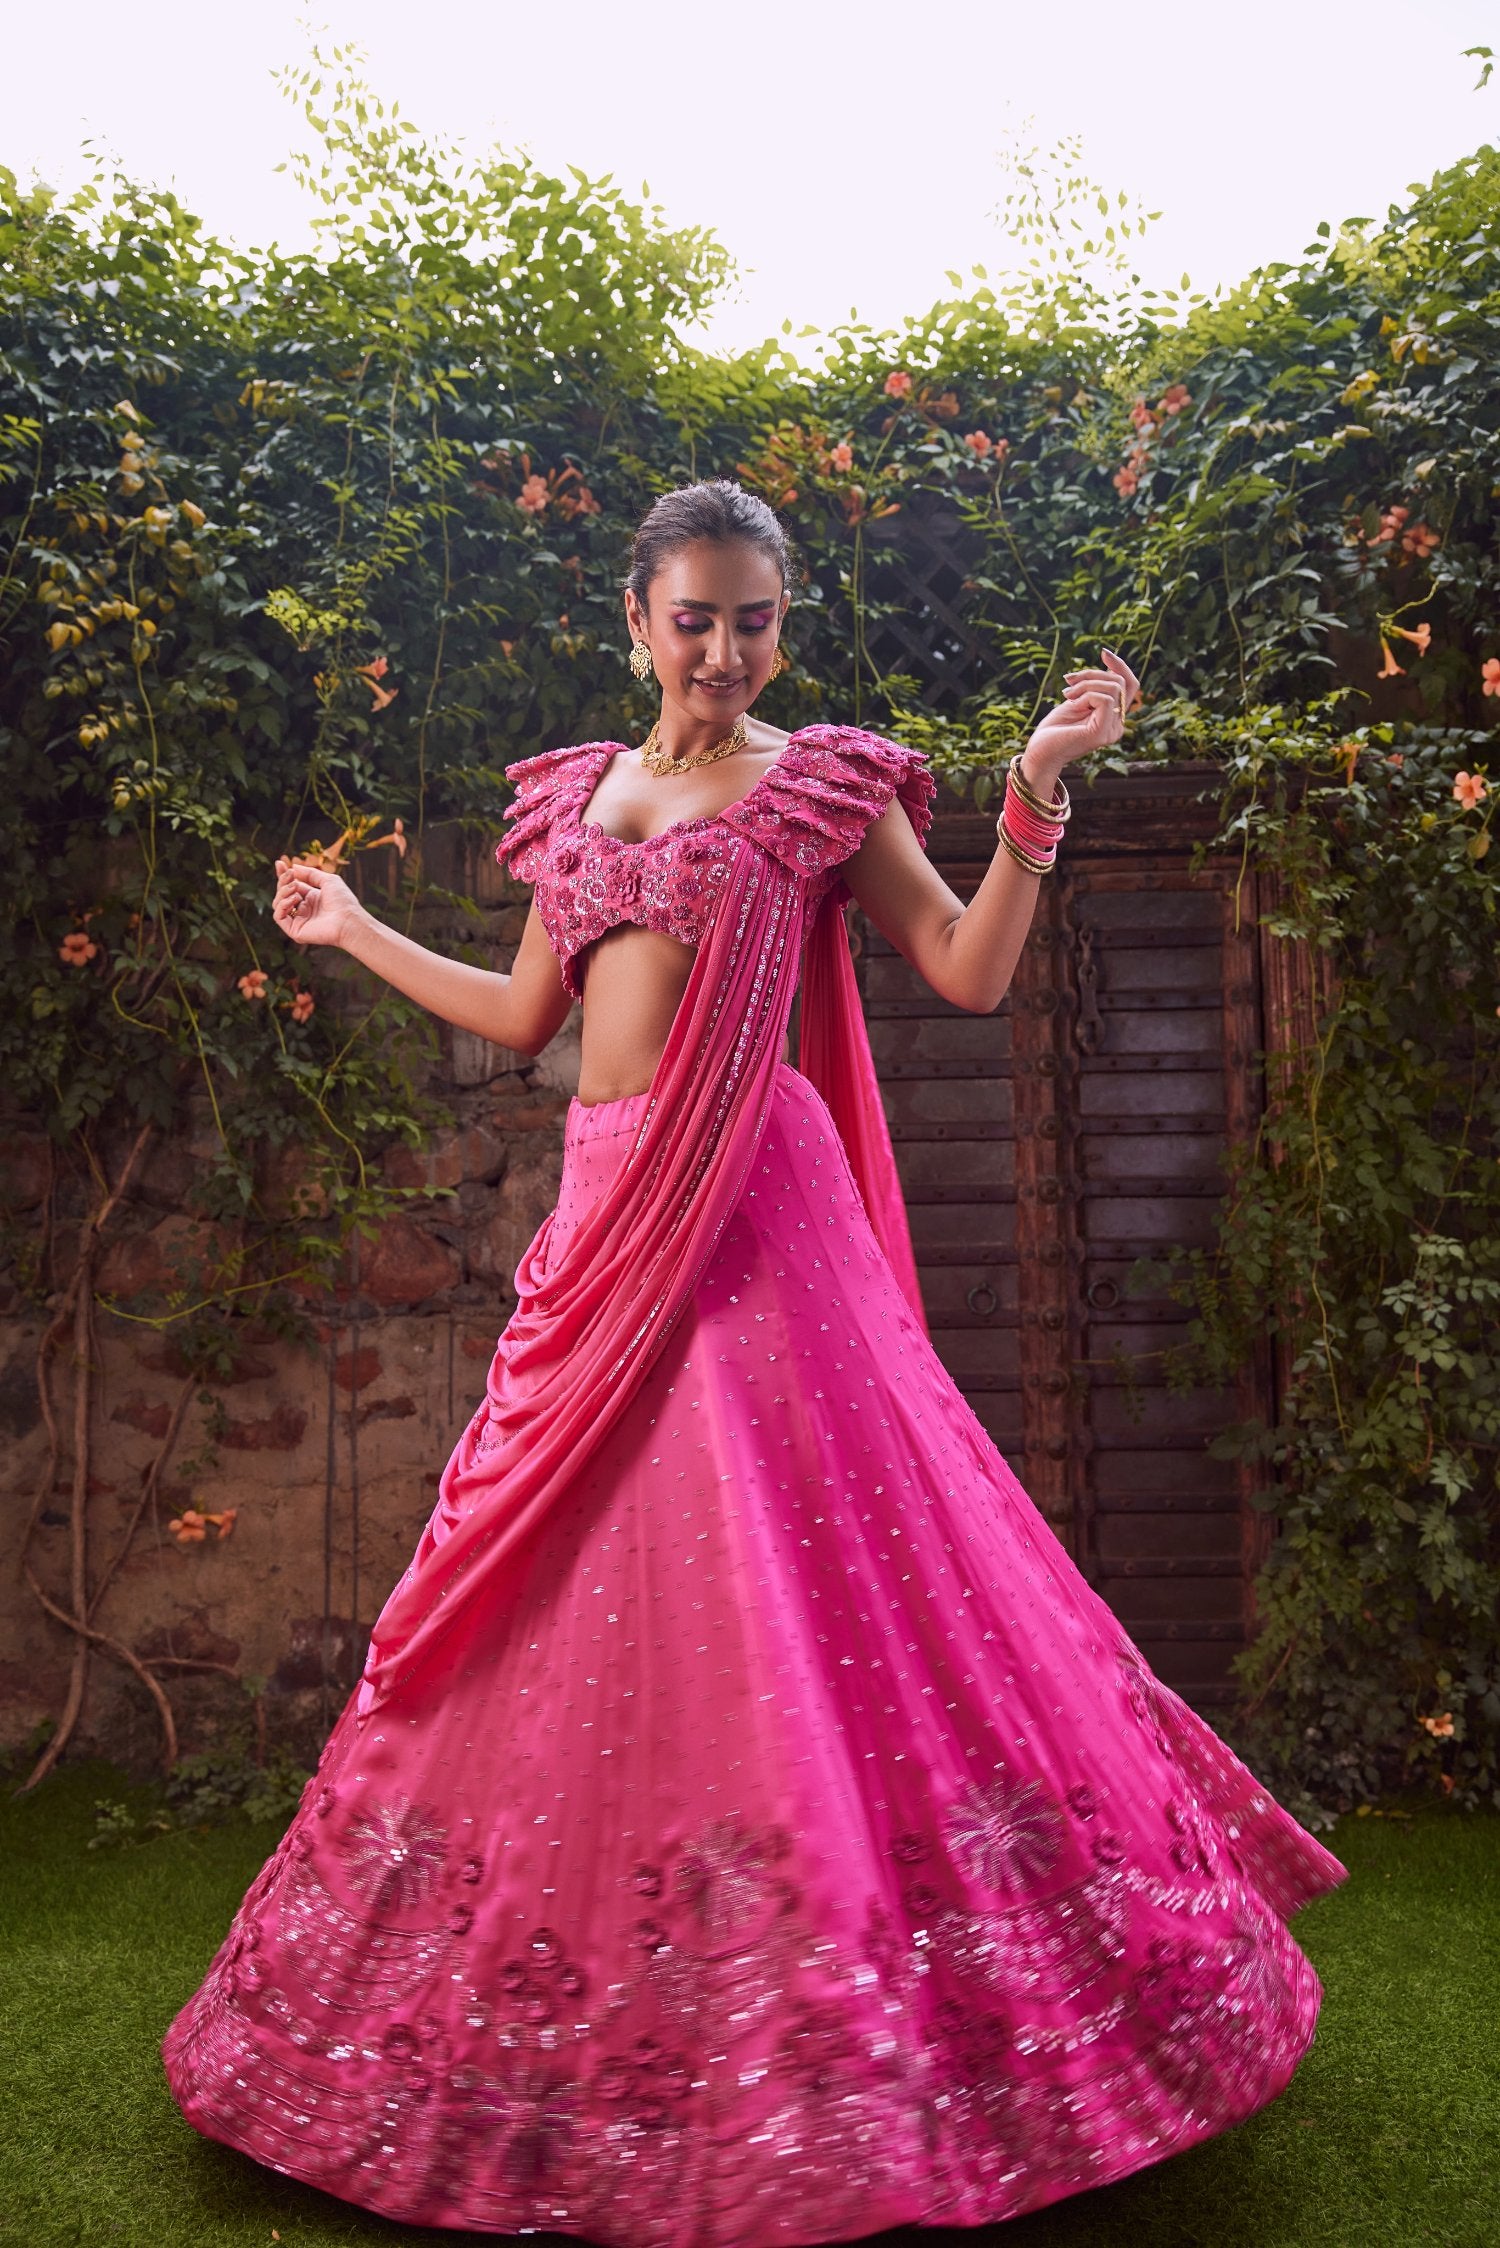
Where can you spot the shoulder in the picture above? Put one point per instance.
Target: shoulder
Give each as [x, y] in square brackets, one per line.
[830, 783]
[546, 787]
[554, 769]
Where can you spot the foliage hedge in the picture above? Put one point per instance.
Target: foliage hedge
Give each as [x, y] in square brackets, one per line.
[300, 547]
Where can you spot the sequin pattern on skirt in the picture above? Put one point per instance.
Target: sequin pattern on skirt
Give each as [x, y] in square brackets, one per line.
[805, 1850]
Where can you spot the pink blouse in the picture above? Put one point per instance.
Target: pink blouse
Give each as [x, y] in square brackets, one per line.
[810, 809]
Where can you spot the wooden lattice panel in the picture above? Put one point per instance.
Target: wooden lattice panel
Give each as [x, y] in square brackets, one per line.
[918, 594]
[1047, 1147]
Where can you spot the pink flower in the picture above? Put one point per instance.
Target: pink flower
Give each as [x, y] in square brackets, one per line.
[532, 496]
[303, 1004]
[1125, 482]
[189, 1527]
[1421, 639]
[842, 457]
[1142, 416]
[1469, 790]
[253, 986]
[375, 670]
[1441, 1728]
[1396, 758]
[898, 384]
[1390, 525]
[1420, 541]
[1174, 399]
[1390, 669]
[1489, 672]
[77, 949]
[979, 444]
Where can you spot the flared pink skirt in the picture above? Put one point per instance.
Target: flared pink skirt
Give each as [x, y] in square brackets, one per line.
[802, 1849]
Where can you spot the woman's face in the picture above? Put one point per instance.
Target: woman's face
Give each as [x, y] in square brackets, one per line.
[712, 619]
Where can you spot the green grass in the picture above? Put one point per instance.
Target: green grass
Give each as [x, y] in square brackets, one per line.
[1389, 2134]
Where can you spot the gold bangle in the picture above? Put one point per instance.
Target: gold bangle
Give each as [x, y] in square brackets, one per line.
[1024, 858]
[1061, 807]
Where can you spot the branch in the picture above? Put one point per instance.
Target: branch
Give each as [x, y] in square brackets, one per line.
[148, 1491]
[122, 1654]
[78, 1304]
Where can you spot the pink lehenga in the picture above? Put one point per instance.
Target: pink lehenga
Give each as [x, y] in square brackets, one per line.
[749, 1827]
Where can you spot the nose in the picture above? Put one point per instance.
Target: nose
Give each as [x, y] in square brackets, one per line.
[721, 654]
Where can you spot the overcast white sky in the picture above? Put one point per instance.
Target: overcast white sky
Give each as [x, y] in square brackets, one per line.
[845, 154]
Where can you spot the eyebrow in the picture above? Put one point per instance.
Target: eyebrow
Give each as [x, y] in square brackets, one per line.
[712, 607]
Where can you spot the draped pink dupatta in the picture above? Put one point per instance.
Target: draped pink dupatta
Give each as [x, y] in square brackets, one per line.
[834, 1053]
[588, 1325]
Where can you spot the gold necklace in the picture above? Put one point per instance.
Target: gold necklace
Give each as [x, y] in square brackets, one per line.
[657, 760]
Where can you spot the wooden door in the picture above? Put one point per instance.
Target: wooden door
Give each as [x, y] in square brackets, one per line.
[1043, 1150]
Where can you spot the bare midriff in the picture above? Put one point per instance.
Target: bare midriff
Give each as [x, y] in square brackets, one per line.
[633, 982]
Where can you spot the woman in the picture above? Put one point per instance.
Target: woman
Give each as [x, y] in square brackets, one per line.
[749, 1826]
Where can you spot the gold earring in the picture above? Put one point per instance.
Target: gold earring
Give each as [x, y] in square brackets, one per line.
[640, 660]
[778, 662]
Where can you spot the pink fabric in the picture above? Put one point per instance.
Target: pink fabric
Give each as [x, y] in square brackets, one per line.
[752, 1828]
[810, 810]
[590, 1320]
[834, 1052]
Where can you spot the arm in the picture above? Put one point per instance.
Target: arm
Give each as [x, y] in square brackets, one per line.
[968, 953]
[523, 1010]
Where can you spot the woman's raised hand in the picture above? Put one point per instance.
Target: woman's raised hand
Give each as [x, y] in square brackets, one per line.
[1091, 714]
[312, 905]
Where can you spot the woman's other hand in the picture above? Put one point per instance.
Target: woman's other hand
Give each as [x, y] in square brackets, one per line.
[313, 905]
[1090, 716]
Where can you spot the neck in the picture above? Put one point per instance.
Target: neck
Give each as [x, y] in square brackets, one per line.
[682, 737]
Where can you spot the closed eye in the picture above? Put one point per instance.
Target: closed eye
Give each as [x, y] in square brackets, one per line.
[695, 627]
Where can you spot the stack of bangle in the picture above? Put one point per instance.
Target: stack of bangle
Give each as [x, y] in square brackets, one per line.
[1030, 829]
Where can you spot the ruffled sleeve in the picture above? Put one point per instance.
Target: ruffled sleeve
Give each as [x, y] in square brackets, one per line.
[815, 803]
[555, 783]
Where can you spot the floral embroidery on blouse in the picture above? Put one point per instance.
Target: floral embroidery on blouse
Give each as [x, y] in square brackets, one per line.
[810, 809]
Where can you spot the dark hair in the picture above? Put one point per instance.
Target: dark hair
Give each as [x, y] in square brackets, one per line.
[720, 511]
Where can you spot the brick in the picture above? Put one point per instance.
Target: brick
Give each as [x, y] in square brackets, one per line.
[166, 1358]
[531, 1112]
[476, 1061]
[527, 1193]
[281, 1431]
[404, 1265]
[25, 1170]
[191, 1637]
[167, 1176]
[450, 1159]
[355, 1369]
[152, 1416]
[388, 1409]
[288, 1187]
[180, 1252]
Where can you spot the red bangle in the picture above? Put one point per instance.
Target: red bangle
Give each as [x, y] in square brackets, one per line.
[1042, 834]
[1045, 853]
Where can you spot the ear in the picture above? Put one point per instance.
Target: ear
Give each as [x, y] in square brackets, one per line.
[635, 615]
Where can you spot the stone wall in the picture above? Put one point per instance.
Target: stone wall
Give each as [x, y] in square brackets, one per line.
[327, 1452]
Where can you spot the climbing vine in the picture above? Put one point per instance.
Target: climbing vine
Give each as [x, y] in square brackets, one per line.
[302, 551]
